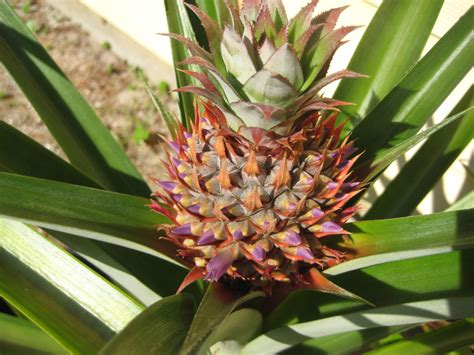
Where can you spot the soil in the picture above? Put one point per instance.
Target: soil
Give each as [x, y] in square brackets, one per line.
[110, 85]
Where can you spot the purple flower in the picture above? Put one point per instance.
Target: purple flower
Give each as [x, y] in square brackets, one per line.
[167, 185]
[207, 238]
[330, 227]
[316, 212]
[218, 266]
[237, 235]
[305, 253]
[292, 238]
[259, 253]
[184, 229]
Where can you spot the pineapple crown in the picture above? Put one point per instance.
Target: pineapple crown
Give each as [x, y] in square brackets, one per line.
[264, 70]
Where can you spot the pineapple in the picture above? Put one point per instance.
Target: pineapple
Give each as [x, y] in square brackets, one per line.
[258, 185]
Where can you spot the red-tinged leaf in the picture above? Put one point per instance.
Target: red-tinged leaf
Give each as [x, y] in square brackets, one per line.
[202, 92]
[329, 18]
[301, 21]
[193, 275]
[250, 9]
[318, 282]
[192, 46]
[213, 33]
[208, 85]
[300, 44]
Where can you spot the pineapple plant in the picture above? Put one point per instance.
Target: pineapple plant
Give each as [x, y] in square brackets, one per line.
[261, 180]
[256, 242]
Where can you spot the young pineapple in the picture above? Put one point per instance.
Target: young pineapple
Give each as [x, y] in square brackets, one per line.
[258, 185]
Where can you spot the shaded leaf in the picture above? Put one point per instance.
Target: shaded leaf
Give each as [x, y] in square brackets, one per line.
[240, 326]
[408, 313]
[160, 329]
[218, 302]
[107, 216]
[20, 336]
[411, 184]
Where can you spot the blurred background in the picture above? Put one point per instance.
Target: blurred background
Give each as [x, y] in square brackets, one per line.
[100, 45]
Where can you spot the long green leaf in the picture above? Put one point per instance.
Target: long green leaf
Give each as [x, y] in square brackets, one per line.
[85, 140]
[410, 280]
[407, 107]
[160, 329]
[178, 22]
[381, 241]
[20, 154]
[62, 296]
[439, 341]
[411, 185]
[384, 158]
[400, 314]
[391, 44]
[218, 302]
[20, 336]
[464, 203]
[345, 343]
[107, 216]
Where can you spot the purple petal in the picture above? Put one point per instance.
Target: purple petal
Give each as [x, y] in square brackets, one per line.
[175, 146]
[331, 185]
[183, 229]
[218, 266]
[349, 186]
[330, 227]
[207, 238]
[194, 209]
[305, 253]
[187, 135]
[316, 212]
[237, 235]
[176, 197]
[167, 185]
[292, 238]
[332, 155]
[259, 253]
[176, 161]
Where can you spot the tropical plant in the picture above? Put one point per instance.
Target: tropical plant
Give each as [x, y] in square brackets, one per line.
[265, 177]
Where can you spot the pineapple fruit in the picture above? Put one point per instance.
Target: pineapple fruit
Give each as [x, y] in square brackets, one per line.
[258, 185]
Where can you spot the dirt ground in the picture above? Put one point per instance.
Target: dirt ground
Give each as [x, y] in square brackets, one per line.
[109, 84]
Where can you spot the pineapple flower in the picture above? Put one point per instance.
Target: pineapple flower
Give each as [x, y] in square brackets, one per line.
[257, 186]
[256, 205]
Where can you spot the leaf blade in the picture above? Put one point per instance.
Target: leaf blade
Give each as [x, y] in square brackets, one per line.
[37, 275]
[407, 107]
[391, 44]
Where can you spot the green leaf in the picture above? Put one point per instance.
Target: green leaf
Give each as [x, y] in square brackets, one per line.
[85, 140]
[411, 185]
[218, 302]
[58, 293]
[385, 158]
[409, 280]
[391, 45]
[20, 336]
[20, 154]
[439, 341]
[344, 343]
[160, 329]
[116, 218]
[407, 107]
[381, 241]
[464, 203]
[178, 22]
[36, 161]
[400, 314]
[217, 10]
[240, 326]
[170, 121]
